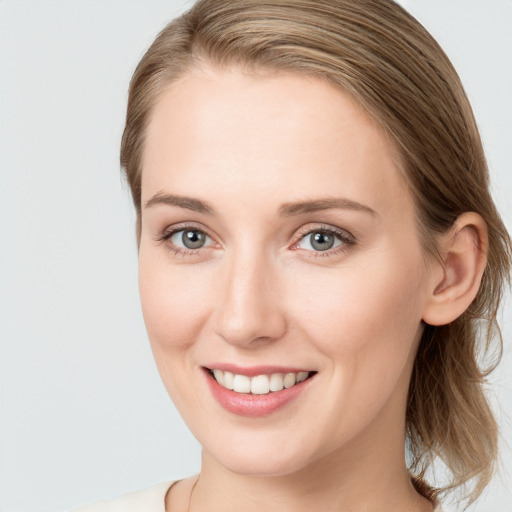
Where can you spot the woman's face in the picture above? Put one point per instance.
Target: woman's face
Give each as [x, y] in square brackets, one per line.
[279, 243]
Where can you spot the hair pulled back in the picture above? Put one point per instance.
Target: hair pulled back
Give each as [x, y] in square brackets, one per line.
[380, 55]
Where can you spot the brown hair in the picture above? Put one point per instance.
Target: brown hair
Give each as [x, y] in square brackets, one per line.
[379, 54]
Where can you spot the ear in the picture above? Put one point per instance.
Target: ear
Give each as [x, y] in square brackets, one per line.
[457, 277]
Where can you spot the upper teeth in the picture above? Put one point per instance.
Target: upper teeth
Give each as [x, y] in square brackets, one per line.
[260, 384]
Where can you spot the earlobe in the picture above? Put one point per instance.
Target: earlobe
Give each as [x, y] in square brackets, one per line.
[464, 257]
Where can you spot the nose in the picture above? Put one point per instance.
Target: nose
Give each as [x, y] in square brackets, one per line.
[249, 309]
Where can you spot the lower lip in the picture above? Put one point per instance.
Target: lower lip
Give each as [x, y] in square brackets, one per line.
[244, 404]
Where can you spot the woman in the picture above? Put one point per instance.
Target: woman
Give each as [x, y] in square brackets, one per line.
[320, 260]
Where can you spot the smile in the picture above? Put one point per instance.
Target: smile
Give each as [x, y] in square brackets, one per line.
[259, 384]
[256, 391]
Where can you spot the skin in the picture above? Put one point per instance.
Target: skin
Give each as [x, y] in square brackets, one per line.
[258, 293]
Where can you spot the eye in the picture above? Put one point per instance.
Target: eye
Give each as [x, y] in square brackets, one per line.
[189, 239]
[319, 241]
[324, 239]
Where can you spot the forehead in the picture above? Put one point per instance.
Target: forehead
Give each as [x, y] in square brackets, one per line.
[266, 133]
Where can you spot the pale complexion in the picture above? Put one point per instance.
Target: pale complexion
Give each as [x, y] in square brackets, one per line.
[252, 167]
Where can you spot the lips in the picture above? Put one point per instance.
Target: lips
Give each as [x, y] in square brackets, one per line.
[255, 392]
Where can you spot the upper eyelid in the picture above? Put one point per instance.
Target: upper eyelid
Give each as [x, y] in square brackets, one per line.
[348, 240]
[186, 226]
[166, 235]
[304, 231]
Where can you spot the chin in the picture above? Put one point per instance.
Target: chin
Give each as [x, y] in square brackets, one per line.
[260, 459]
[262, 468]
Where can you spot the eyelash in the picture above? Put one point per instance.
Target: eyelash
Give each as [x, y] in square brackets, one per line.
[168, 233]
[347, 240]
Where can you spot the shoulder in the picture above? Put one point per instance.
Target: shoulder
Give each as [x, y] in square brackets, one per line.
[151, 499]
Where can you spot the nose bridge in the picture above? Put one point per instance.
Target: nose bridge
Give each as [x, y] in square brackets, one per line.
[250, 309]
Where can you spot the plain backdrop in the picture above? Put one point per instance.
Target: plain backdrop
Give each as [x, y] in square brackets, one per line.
[83, 414]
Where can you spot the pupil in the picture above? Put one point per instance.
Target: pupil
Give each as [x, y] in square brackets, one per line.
[322, 241]
[193, 239]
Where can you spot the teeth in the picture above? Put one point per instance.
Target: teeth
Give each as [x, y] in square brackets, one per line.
[289, 380]
[241, 384]
[276, 382]
[260, 384]
[219, 377]
[301, 376]
[228, 380]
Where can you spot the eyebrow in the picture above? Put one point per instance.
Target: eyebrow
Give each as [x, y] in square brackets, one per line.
[188, 203]
[316, 205]
[286, 210]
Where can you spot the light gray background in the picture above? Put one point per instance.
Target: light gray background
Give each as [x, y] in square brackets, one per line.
[83, 414]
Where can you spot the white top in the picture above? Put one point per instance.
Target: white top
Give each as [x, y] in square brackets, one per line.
[151, 499]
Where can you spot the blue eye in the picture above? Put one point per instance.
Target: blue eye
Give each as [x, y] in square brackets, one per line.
[190, 239]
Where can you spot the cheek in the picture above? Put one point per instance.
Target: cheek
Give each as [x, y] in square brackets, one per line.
[173, 302]
[365, 317]
[173, 306]
[366, 325]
